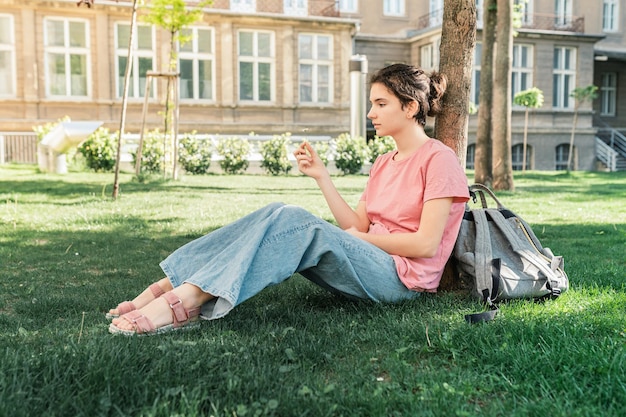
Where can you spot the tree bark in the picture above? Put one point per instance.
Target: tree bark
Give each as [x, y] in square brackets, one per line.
[483, 166]
[502, 164]
[458, 38]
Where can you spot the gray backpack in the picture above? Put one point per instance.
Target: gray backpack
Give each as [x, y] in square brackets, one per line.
[498, 251]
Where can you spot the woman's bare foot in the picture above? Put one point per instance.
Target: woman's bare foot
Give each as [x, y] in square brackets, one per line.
[160, 313]
[144, 298]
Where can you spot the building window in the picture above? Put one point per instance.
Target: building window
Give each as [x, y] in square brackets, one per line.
[479, 14]
[393, 8]
[243, 6]
[517, 156]
[470, 157]
[563, 12]
[7, 57]
[436, 13]
[296, 7]
[522, 69]
[315, 54]
[475, 89]
[610, 14]
[348, 6]
[256, 65]
[562, 156]
[563, 77]
[143, 59]
[197, 64]
[426, 57]
[608, 91]
[67, 57]
[524, 9]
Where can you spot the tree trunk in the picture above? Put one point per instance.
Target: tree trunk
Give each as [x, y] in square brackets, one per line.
[570, 154]
[458, 38]
[502, 164]
[483, 167]
[127, 73]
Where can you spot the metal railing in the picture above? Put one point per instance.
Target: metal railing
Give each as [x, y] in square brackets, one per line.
[21, 147]
[18, 147]
[614, 139]
[537, 21]
[606, 154]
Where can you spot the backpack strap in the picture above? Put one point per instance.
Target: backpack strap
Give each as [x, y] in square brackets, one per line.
[484, 268]
[483, 256]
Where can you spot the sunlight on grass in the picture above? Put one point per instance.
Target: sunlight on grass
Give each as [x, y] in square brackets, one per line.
[69, 252]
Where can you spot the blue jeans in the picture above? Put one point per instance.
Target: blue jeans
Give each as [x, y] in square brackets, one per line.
[268, 246]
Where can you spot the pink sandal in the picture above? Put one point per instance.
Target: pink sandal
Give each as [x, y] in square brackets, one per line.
[128, 306]
[183, 319]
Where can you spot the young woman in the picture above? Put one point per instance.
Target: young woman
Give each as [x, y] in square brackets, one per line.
[392, 247]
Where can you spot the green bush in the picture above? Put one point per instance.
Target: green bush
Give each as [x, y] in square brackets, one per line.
[323, 150]
[274, 155]
[152, 154]
[194, 155]
[234, 152]
[99, 151]
[350, 153]
[379, 146]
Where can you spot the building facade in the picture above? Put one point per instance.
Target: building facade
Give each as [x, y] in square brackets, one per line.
[276, 66]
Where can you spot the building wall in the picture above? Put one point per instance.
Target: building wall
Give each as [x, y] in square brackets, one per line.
[224, 115]
[382, 39]
[548, 127]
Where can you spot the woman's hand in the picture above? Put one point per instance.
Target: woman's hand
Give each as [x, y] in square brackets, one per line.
[309, 162]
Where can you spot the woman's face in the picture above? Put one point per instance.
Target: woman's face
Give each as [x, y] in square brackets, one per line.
[387, 114]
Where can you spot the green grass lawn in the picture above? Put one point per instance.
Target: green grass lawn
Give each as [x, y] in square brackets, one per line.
[68, 252]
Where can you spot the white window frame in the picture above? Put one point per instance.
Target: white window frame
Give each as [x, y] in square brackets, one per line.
[608, 94]
[435, 13]
[426, 56]
[479, 13]
[137, 91]
[563, 12]
[255, 59]
[9, 49]
[476, 68]
[395, 8]
[243, 6]
[67, 50]
[316, 62]
[563, 77]
[518, 70]
[610, 16]
[196, 55]
[296, 7]
[525, 8]
[348, 6]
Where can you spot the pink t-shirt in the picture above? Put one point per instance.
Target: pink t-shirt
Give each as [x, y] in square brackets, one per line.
[395, 195]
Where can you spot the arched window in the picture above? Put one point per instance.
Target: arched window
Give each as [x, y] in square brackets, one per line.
[517, 156]
[469, 159]
[562, 156]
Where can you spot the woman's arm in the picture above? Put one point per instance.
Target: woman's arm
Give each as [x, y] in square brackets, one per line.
[421, 244]
[309, 163]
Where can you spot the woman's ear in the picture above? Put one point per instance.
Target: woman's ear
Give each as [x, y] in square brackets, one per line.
[412, 109]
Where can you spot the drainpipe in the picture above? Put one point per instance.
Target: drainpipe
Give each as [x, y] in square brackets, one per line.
[358, 75]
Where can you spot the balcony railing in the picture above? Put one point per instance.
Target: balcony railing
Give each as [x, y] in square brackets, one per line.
[323, 8]
[537, 21]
